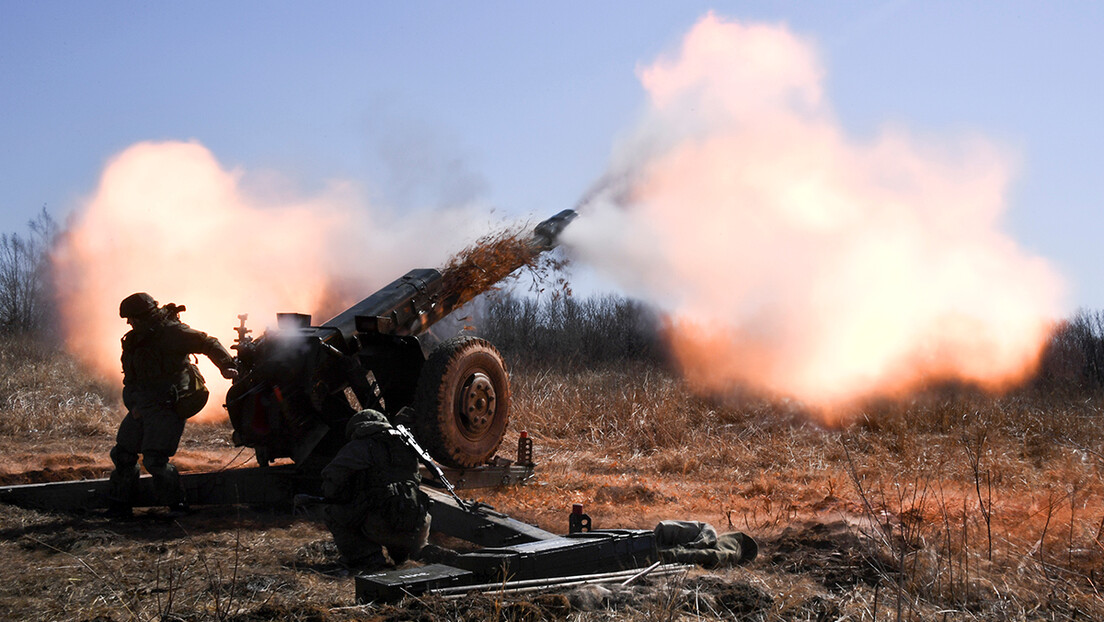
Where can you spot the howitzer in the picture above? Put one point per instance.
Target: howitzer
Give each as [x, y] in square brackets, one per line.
[299, 384]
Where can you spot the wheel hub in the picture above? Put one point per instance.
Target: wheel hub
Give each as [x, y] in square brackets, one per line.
[476, 405]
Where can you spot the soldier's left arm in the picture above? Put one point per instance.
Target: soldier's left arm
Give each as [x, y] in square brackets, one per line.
[195, 341]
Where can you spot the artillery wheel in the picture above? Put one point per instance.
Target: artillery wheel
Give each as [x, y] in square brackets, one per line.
[462, 402]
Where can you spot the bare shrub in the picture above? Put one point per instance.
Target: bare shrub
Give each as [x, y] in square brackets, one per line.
[26, 304]
[1073, 362]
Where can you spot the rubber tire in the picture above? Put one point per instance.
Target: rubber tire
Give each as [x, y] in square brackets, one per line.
[451, 438]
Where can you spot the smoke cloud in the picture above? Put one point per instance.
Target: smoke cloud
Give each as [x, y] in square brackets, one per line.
[168, 219]
[798, 259]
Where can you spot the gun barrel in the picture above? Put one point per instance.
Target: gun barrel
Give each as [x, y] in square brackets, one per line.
[546, 235]
[393, 308]
[414, 302]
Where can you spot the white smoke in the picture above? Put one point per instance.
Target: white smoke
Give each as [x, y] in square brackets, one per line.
[801, 260]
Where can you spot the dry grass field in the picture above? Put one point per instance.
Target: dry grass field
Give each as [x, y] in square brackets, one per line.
[952, 505]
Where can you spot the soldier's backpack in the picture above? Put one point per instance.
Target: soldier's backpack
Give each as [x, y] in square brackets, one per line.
[193, 397]
[403, 504]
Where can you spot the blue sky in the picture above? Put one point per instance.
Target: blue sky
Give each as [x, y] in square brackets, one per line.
[517, 105]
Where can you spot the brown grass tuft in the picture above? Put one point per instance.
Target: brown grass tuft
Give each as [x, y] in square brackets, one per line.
[45, 393]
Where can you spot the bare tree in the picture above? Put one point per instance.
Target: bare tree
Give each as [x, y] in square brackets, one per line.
[1073, 361]
[26, 305]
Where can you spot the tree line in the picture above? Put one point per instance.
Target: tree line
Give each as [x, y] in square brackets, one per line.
[569, 332]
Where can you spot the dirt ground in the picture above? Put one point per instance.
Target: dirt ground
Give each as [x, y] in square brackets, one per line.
[241, 563]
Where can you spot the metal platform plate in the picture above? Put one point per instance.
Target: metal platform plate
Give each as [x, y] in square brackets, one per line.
[392, 585]
[559, 556]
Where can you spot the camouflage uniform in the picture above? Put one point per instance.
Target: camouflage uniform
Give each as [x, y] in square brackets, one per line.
[156, 360]
[693, 542]
[375, 502]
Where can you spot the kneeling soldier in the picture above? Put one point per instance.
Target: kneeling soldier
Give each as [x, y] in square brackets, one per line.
[374, 499]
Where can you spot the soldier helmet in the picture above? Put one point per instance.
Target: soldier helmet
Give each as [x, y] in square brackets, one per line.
[365, 421]
[137, 305]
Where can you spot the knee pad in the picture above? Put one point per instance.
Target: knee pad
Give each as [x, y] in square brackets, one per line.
[123, 484]
[155, 462]
[123, 459]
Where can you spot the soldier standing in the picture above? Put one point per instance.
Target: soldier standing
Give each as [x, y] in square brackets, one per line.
[161, 389]
[374, 500]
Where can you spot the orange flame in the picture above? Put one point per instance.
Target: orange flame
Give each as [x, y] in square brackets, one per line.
[169, 220]
[794, 258]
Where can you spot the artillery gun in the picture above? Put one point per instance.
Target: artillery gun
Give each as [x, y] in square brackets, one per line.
[299, 384]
